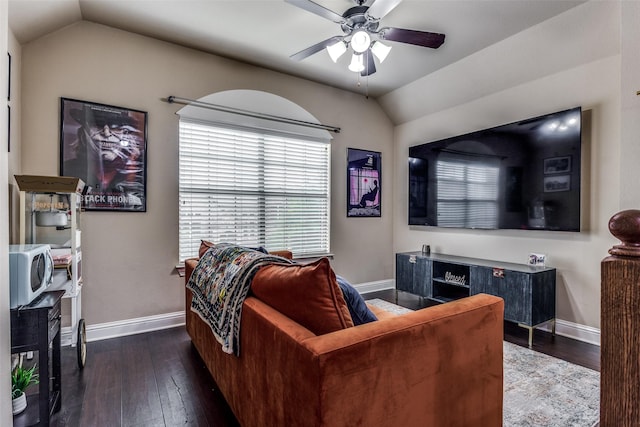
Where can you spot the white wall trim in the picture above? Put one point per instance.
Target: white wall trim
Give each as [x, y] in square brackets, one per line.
[139, 325]
[103, 331]
[379, 285]
[575, 331]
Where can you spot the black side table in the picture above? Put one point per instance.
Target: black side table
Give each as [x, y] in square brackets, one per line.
[36, 327]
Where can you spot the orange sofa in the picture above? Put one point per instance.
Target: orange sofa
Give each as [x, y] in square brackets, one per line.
[437, 367]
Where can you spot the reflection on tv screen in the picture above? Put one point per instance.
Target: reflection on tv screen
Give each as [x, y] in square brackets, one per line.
[523, 175]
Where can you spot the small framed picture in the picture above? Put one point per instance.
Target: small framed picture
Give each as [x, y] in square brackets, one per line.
[557, 183]
[364, 178]
[537, 260]
[557, 165]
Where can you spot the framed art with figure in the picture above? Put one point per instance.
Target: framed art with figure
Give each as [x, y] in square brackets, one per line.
[364, 179]
[106, 147]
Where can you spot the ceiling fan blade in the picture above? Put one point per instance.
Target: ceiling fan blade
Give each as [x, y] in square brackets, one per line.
[380, 8]
[369, 66]
[315, 48]
[319, 10]
[418, 38]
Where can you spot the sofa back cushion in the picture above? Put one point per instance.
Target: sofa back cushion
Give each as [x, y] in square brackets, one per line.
[307, 294]
[205, 245]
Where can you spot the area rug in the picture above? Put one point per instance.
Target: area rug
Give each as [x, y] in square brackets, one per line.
[540, 390]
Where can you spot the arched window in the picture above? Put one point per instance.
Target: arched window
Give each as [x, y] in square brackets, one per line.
[253, 183]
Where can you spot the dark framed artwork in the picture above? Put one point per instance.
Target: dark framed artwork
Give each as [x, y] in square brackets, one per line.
[557, 165]
[557, 183]
[364, 179]
[106, 147]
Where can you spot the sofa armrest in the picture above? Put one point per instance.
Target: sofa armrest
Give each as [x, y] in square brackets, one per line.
[440, 366]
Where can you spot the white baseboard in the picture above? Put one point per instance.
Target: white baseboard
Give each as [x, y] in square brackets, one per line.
[169, 320]
[379, 285]
[575, 331]
[103, 331]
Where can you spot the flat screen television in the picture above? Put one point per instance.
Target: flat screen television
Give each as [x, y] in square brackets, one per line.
[523, 175]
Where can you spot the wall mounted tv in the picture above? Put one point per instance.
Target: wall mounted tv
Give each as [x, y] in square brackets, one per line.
[523, 175]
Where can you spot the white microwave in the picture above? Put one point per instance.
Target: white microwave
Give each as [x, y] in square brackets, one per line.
[30, 272]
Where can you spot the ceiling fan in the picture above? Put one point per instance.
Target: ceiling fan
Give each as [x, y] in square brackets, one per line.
[360, 25]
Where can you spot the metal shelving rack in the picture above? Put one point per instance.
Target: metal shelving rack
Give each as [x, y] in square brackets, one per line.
[50, 209]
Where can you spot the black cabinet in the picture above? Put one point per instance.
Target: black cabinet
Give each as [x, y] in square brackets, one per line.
[36, 327]
[411, 274]
[529, 292]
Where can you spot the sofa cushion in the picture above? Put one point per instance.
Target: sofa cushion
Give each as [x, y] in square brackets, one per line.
[205, 245]
[308, 294]
[358, 309]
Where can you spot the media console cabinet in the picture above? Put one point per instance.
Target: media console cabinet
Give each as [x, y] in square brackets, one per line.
[529, 292]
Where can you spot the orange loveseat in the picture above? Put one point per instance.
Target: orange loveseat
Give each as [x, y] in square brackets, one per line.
[436, 367]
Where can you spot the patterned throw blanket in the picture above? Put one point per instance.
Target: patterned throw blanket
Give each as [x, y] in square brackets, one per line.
[220, 283]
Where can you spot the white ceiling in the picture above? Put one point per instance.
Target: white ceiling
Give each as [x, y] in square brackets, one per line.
[267, 32]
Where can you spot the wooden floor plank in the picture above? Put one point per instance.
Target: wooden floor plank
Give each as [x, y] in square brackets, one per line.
[180, 403]
[209, 397]
[102, 402]
[141, 400]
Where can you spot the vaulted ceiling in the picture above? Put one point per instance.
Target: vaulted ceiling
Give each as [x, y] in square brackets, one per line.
[267, 32]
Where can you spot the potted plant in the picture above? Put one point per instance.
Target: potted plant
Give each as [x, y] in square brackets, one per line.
[21, 378]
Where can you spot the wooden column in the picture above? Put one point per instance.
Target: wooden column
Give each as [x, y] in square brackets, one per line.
[620, 325]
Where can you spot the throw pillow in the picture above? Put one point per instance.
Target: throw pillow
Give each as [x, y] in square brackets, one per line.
[204, 247]
[358, 309]
[307, 294]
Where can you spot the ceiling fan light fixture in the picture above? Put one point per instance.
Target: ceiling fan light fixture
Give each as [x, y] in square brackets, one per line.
[357, 64]
[336, 50]
[360, 41]
[380, 50]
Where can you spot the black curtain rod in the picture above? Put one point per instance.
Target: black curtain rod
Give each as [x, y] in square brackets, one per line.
[175, 99]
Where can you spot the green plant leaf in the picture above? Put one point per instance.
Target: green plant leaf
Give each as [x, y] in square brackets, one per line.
[21, 378]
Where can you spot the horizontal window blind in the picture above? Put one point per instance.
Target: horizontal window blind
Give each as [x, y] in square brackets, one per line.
[467, 194]
[253, 189]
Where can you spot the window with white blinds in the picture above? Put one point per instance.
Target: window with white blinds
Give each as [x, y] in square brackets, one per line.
[253, 189]
[467, 194]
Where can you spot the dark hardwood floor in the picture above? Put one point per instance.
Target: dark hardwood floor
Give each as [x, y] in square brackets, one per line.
[158, 379]
[151, 379]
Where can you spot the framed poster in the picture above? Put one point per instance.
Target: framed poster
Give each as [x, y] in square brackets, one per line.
[557, 165]
[364, 178]
[557, 183]
[106, 147]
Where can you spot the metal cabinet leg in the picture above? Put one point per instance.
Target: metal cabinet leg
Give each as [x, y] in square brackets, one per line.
[531, 328]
